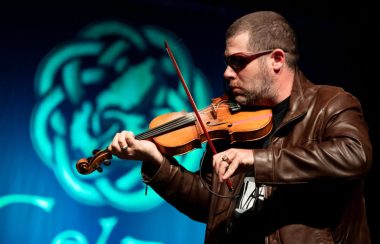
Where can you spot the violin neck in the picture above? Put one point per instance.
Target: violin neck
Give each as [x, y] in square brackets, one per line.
[181, 122]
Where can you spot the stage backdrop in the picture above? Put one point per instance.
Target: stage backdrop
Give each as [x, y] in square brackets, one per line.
[72, 77]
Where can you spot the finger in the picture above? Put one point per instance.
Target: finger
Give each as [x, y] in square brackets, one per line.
[121, 140]
[232, 167]
[222, 169]
[129, 138]
[223, 156]
[114, 146]
[220, 163]
[215, 160]
[217, 168]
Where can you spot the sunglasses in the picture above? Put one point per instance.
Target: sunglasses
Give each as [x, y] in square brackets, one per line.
[238, 61]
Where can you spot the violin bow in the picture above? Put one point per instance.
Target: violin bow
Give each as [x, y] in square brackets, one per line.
[189, 96]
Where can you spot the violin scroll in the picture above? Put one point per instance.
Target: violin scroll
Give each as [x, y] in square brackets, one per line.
[88, 165]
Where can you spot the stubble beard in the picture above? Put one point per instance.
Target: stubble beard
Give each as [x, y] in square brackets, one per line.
[262, 94]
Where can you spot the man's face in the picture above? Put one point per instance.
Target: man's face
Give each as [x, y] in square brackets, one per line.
[249, 75]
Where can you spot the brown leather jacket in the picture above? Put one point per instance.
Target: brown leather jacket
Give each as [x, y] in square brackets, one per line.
[312, 170]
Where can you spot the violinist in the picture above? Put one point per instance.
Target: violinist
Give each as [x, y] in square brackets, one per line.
[302, 182]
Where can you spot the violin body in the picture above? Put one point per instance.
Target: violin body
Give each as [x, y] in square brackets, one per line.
[221, 125]
[180, 132]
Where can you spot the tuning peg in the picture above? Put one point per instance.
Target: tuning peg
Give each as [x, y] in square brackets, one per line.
[99, 169]
[107, 162]
[95, 151]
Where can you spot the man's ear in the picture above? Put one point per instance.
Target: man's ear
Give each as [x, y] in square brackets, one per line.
[278, 59]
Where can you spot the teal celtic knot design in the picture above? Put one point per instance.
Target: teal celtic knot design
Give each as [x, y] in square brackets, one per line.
[110, 77]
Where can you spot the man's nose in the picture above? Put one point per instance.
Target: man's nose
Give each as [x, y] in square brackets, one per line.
[229, 73]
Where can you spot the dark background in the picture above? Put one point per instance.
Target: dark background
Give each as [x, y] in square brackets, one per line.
[338, 45]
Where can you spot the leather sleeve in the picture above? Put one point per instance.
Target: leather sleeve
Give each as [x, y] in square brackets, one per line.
[330, 142]
[180, 187]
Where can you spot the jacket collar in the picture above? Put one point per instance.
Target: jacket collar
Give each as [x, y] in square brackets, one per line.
[298, 103]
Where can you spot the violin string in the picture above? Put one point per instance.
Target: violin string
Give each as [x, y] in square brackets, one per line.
[186, 120]
[164, 128]
[174, 124]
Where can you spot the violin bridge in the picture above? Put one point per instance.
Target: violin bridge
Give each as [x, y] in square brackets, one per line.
[213, 111]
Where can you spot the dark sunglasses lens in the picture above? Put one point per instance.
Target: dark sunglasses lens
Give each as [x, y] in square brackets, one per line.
[236, 62]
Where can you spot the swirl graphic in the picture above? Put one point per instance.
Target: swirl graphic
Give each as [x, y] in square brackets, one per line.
[109, 78]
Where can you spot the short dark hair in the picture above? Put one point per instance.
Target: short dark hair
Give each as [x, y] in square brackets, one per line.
[267, 30]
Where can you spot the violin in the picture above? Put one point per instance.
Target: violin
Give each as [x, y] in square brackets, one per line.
[177, 133]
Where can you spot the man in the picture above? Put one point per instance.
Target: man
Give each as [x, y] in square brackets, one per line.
[302, 183]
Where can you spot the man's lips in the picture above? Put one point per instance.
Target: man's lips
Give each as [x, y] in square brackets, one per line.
[236, 91]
